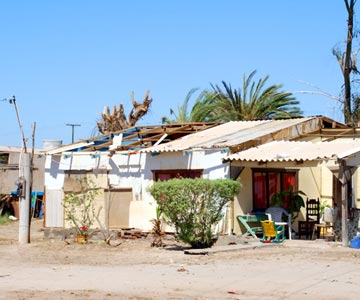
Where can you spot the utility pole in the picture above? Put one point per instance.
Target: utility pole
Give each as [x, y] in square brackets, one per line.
[13, 101]
[24, 184]
[24, 198]
[72, 130]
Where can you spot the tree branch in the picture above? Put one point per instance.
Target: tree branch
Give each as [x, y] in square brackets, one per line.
[319, 91]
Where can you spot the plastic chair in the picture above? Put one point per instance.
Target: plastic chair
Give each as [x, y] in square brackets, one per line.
[312, 218]
[272, 233]
[279, 215]
[325, 227]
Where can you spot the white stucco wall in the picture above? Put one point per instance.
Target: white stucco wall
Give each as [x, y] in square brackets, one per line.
[143, 208]
[53, 182]
[135, 170]
[54, 175]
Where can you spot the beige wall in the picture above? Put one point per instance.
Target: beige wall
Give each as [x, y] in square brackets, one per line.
[356, 184]
[316, 183]
[243, 201]
[99, 181]
[310, 182]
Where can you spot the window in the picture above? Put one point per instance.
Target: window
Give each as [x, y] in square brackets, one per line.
[268, 182]
[4, 158]
[169, 174]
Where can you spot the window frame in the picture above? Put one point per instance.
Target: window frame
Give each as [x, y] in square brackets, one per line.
[174, 172]
[4, 158]
[267, 189]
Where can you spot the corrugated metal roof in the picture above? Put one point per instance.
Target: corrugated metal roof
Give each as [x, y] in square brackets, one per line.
[70, 147]
[277, 151]
[228, 134]
[10, 149]
[17, 149]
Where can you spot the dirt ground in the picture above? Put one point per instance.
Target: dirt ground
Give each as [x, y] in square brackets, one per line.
[235, 268]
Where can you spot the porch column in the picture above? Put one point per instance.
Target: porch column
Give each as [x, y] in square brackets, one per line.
[344, 203]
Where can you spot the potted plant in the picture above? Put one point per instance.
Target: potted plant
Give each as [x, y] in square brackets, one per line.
[290, 200]
[80, 210]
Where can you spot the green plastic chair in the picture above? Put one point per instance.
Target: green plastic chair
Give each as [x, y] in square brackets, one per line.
[272, 233]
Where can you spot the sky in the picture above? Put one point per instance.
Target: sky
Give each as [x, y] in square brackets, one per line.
[65, 60]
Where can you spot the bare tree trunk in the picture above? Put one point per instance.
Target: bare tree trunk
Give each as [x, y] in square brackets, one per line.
[139, 110]
[347, 68]
[116, 120]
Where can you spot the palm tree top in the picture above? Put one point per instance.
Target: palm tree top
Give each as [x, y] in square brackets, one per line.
[254, 101]
[199, 112]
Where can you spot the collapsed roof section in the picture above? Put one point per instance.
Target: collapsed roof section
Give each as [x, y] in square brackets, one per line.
[135, 138]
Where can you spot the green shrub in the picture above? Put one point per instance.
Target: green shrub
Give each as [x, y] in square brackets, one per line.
[193, 206]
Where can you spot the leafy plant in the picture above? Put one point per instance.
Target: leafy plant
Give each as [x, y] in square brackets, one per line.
[4, 219]
[323, 205]
[193, 206]
[79, 206]
[290, 200]
[156, 229]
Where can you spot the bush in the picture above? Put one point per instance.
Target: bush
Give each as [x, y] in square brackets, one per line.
[193, 206]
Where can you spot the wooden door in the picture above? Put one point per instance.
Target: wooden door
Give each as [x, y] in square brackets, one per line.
[118, 207]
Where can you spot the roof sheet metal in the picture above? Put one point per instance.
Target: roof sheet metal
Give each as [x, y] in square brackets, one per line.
[8, 149]
[84, 162]
[248, 134]
[70, 147]
[277, 151]
[197, 139]
[227, 134]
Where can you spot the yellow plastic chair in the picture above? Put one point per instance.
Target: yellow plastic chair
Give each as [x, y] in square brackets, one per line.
[272, 233]
[279, 215]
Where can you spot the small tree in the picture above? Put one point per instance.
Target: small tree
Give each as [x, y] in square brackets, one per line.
[193, 206]
[79, 206]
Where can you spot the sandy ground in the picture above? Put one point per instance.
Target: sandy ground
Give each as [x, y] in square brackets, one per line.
[235, 268]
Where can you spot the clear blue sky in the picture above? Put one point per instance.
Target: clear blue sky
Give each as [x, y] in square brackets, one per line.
[65, 60]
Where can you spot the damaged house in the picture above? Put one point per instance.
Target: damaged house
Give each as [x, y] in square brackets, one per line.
[125, 163]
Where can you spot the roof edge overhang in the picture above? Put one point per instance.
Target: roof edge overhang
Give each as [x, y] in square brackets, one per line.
[284, 164]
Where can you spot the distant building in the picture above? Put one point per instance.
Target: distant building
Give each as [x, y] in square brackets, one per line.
[9, 174]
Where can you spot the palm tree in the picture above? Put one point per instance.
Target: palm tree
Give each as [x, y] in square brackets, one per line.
[253, 102]
[200, 111]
